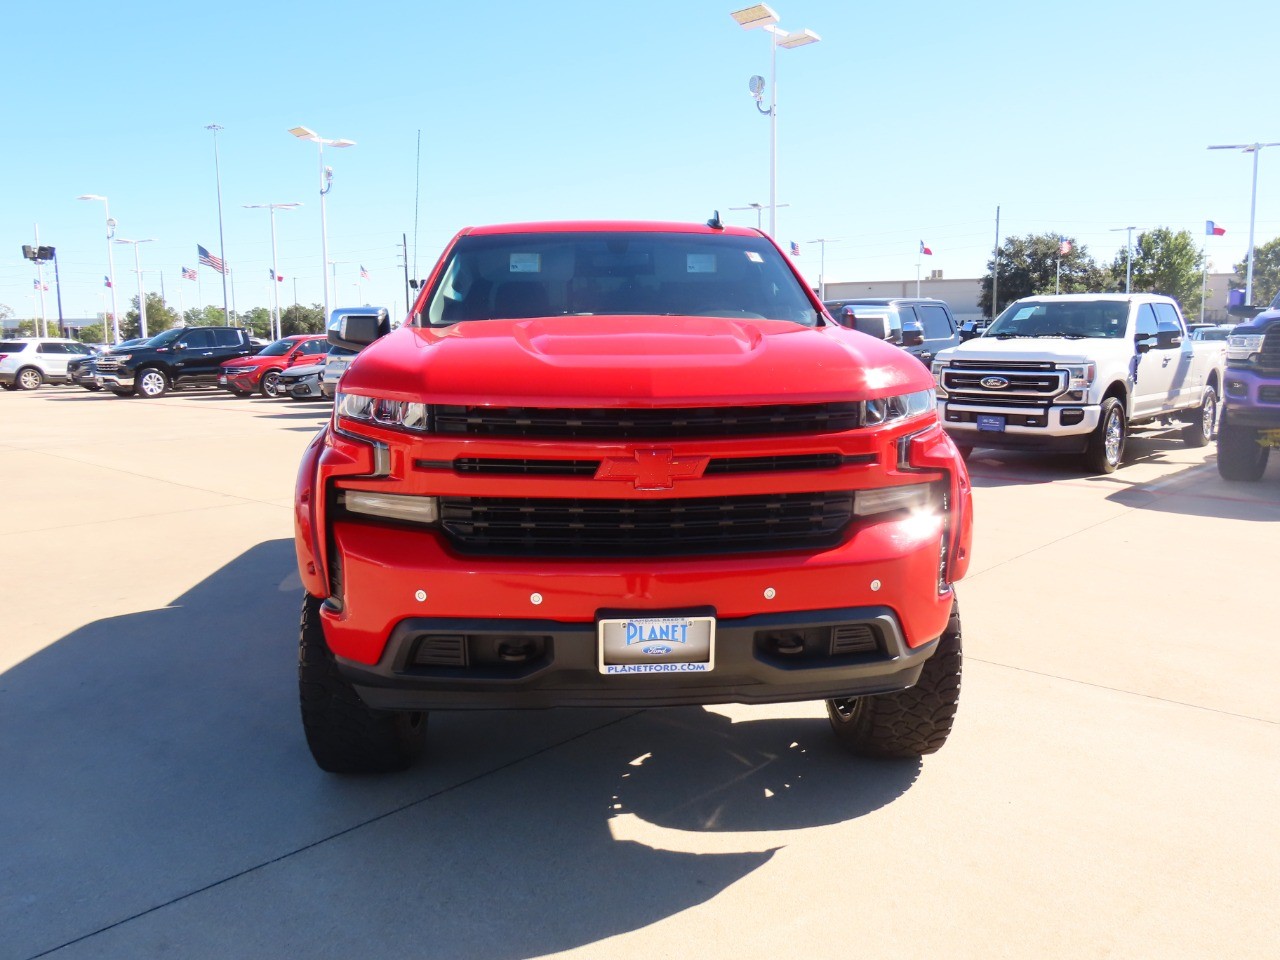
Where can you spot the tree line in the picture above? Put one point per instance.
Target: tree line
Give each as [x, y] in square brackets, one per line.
[1162, 262]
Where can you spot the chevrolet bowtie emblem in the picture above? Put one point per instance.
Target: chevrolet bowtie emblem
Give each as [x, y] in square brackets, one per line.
[652, 468]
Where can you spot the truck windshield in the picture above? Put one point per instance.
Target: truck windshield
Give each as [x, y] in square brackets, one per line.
[166, 338]
[510, 276]
[1072, 319]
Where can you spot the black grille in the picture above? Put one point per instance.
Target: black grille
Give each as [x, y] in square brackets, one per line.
[1269, 394]
[1018, 381]
[853, 638]
[628, 528]
[494, 466]
[1269, 355]
[592, 423]
[107, 364]
[1004, 364]
[441, 650]
[997, 400]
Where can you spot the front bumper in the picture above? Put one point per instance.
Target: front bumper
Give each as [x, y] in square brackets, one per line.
[114, 381]
[238, 382]
[1252, 398]
[308, 389]
[559, 665]
[1050, 433]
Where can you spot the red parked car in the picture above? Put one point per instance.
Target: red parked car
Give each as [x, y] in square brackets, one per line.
[626, 465]
[246, 375]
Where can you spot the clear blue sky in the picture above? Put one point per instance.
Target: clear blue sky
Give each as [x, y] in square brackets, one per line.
[907, 122]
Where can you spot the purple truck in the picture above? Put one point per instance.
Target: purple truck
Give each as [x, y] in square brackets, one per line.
[1250, 424]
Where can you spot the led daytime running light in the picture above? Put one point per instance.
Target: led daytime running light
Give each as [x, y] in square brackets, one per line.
[901, 406]
[385, 413]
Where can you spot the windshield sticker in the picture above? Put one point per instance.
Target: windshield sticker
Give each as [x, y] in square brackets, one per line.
[526, 263]
[700, 263]
[1023, 313]
[754, 257]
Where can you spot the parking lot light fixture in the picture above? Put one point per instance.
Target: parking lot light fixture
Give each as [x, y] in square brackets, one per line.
[111, 266]
[1255, 149]
[275, 269]
[326, 181]
[142, 295]
[763, 16]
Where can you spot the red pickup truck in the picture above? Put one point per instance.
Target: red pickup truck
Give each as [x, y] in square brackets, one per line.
[625, 464]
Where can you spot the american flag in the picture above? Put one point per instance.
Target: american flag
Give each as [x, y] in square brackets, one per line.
[1064, 246]
[188, 274]
[364, 274]
[795, 249]
[209, 260]
[106, 281]
[39, 286]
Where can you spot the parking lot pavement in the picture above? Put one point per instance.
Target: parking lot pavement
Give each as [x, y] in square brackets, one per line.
[1110, 789]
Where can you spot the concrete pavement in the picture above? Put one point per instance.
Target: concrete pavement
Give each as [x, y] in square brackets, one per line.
[1110, 788]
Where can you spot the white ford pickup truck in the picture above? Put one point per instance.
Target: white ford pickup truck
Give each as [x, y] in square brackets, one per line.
[1075, 373]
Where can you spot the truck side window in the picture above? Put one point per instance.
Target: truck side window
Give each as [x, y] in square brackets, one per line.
[198, 340]
[1147, 324]
[937, 325]
[226, 338]
[1165, 313]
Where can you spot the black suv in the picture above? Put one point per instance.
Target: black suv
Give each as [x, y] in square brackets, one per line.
[922, 326]
[183, 356]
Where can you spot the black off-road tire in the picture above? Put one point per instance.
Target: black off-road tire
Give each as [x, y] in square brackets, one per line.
[911, 722]
[1103, 456]
[1240, 457]
[1199, 431]
[344, 735]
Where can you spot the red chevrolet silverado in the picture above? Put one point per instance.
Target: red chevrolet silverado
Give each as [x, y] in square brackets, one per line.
[625, 464]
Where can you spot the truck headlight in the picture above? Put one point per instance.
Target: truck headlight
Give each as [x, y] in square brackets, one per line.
[392, 506]
[912, 497]
[384, 413]
[1081, 376]
[901, 406]
[937, 368]
[1243, 346]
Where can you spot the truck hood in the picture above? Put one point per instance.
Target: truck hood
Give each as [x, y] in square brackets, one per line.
[1040, 349]
[626, 361]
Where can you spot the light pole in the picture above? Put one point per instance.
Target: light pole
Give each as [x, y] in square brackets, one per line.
[142, 296]
[1255, 149]
[759, 209]
[111, 265]
[1128, 255]
[222, 246]
[749, 18]
[326, 181]
[275, 272]
[822, 265]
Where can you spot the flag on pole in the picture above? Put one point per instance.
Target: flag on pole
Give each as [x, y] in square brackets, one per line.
[272, 274]
[795, 249]
[106, 281]
[1211, 229]
[209, 260]
[925, 250]
[39, 286]
[1064, 246]
[364, 274]
[188, 274]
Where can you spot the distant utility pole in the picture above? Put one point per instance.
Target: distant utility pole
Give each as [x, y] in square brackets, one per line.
[995, 269]
[1128, 256]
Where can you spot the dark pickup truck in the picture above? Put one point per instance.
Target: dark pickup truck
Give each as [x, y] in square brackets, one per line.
[183, 356]
[921, 326]
[1251, 414]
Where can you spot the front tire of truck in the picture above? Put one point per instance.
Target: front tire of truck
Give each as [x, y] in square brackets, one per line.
[345, 735]
[1240, 457]
[911, 722]
[1106, 443]
[1199, 432]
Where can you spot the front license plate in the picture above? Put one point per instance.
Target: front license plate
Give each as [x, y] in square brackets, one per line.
[657, 645]
[991, 422]
[1269, 438]
[222, 379]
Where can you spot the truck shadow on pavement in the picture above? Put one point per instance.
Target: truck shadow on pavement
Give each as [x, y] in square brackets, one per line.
[159, 796]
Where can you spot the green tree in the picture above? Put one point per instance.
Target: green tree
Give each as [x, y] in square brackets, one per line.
[1165, 262]
[1032, 265]
[1266, 272]
[209, 316]
[160, 317]
[298, 319]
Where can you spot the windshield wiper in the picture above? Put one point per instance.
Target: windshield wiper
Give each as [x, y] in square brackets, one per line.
[1013, 336]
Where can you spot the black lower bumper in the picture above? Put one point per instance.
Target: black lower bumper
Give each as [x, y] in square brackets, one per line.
[1074, 443]
[501, 664]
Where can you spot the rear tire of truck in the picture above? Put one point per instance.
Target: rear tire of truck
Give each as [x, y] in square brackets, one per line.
[909, 723]
[1240, 457]
[345, 735]
[1106, 443]
[1199, 432]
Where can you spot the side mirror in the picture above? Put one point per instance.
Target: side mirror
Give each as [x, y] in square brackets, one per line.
[354, 328]
[1140, 342]
[1168, 337]
[968, 331]
[912, 335]
[873, 326]
[179, 346]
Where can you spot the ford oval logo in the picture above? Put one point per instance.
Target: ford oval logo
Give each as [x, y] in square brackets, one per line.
[994, 383]
[656, 649]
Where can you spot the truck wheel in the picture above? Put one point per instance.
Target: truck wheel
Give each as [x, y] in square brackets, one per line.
[271, 383]
[965, 452]
[911, 722]
[29, 378]
[1106, 444]
[1199, 432]
[1240, 457]
[344, 735]
[151, 383]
